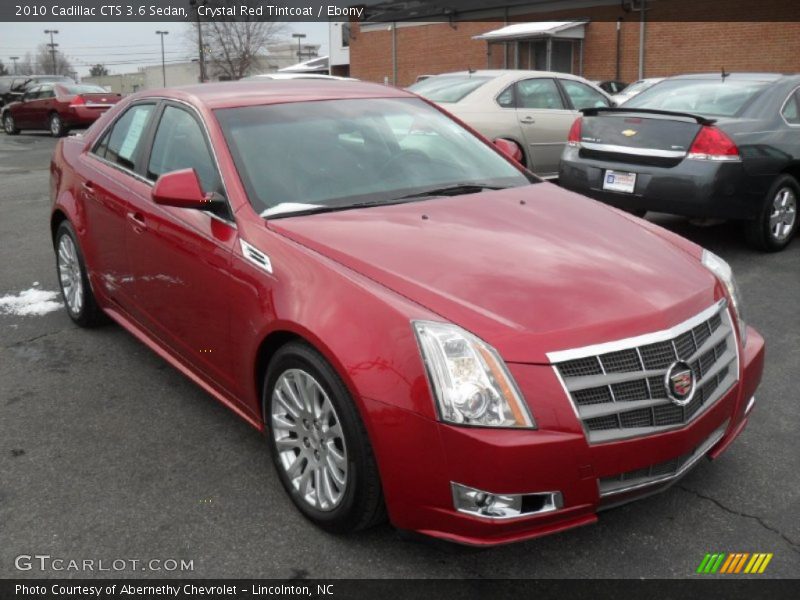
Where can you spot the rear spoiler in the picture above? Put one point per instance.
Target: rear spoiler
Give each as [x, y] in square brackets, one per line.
[593, 112]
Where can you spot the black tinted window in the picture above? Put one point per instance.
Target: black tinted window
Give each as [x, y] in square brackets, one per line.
[180, 144]
[125, 137]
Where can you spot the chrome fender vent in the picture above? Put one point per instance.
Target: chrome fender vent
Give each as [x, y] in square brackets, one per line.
[256, 256]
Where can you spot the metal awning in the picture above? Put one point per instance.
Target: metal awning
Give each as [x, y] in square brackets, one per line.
[574, 30]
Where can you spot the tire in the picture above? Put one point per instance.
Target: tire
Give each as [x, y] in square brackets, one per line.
[57, 128]
[776, 223]
[8, 124]
[76, 292]
[307, 450]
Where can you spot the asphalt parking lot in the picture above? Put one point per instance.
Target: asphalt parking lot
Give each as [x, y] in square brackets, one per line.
[108, 453]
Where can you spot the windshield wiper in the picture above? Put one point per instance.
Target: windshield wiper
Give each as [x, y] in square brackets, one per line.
[456, 189]
[290, 209]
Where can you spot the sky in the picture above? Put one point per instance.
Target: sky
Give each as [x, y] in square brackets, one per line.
[122, 47]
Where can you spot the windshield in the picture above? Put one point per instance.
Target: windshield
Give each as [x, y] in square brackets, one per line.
[722, 98]
[639, 86]
[448, 88]
[83, 89]
[341, 153]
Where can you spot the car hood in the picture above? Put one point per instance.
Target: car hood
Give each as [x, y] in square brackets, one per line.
[530, 270]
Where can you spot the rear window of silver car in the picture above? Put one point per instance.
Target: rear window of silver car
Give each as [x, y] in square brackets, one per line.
[448, 88]
[722, 98]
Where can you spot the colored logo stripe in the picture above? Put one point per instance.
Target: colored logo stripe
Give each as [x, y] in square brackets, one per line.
[734, 562]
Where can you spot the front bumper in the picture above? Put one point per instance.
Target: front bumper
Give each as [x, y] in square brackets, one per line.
[691, 188]
[420, 458]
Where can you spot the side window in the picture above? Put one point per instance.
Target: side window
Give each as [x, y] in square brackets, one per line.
[180, 144]
[791, 110]
[46, 91]
[121, 143]
[582, 96]
[31, 93]
[538, 93]
[506, 97]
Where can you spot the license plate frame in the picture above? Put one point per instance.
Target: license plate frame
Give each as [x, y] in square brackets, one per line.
[619, 181]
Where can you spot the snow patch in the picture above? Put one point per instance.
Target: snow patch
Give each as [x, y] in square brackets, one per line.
[30, 302]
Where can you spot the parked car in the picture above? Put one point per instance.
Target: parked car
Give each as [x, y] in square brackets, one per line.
[285, 76]
[420, 326]
[534, 109]
[57, 107]
[15, 85]
[637, 87]
[611, 86]
[700, 146]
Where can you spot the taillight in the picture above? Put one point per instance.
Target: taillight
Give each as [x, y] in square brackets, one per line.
[574, 137]
[713, 144]
[77, 101]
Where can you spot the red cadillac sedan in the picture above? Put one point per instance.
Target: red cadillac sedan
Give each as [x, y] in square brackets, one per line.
[57, 108]
[422, 329]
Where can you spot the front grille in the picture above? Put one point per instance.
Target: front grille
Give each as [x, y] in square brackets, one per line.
[659, 472]
[622, 393]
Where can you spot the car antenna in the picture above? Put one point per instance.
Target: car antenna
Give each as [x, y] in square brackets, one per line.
[470, 70]
[724, 74]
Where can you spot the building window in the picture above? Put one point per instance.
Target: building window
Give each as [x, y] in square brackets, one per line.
[345, 35]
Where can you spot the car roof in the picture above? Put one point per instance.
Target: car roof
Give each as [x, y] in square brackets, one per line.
[232, 94]
[738, 76]
[511, 73]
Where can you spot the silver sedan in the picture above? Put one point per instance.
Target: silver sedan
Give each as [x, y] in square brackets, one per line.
[534, 109]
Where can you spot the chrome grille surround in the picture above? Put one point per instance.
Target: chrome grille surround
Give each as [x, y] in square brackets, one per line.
[618, 391]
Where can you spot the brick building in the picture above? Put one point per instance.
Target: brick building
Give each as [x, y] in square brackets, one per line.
[615, 42]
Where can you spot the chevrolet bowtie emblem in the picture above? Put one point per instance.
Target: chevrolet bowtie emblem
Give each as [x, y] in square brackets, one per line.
[629, 132]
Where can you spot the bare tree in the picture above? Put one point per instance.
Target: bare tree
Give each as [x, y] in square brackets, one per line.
[232, 47]
[3, 70]
[98, 70]
[26, 65]
[44, 62]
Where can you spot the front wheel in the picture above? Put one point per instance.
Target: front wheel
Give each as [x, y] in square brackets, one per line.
[9, 125]
[318, 442]
[776, 223]
[56, 125]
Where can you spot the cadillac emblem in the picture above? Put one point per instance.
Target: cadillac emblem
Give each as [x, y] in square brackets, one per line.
[629, 132]
[680, 383]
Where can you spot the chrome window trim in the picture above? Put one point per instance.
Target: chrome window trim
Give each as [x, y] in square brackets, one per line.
[633, 151]
[640, 340]
[786, 100]
[156, 101]
[715, 437]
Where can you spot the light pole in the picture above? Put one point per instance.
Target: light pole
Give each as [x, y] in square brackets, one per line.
[299, 37]
[196, 4]
[163, 68]
[52, 46]
[14, 60]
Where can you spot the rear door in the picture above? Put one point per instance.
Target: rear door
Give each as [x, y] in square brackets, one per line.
[180, 258]
[40, 109]
[544, 120]
[107, 182]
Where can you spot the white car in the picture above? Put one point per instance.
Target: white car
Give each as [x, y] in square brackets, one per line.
[636, 88]
[533, 109]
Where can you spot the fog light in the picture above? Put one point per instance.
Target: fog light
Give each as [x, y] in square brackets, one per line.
[503, 506]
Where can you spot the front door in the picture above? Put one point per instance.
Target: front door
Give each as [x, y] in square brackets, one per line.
[180, 258]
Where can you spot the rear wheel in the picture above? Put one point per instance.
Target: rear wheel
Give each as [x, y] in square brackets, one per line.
[8, 124]
[319, 444]
[776, 223]
[56, 125]
[78, 297]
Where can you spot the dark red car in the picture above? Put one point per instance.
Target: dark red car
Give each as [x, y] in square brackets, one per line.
[57, 108]
[420, 326]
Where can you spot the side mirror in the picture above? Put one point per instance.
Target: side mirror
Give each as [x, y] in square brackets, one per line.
[509, 148]
[182, 190]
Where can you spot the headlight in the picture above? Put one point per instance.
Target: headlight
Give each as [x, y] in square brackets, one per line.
[470, 381]
[723, 271]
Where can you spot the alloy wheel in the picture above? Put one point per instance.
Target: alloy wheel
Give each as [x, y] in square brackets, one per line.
[8, 123]
[309, 440]
[784, 214]
[69, 272]
[55, 125]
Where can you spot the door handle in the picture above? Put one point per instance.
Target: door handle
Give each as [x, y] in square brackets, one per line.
[137, 221]
[88, 188]
[527, 120]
